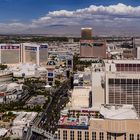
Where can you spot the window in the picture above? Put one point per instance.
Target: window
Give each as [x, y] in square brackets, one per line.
[117, 81]
[129, 81]
[118, 66]
[108, 136]
[86, 135]
[58, 136]
[138, 136]
[124, 136]
[135, 81]
[101, 136]
[50, 79]
[123, 81]
[115, 136]
[93, 135]
[111, 81]
[79, 135]
[71, 135]
[64, 135]
[131, 136]
[122, 67]
[69, 62]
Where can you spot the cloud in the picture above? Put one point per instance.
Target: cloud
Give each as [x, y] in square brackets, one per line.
[13, 27]
[112, 16]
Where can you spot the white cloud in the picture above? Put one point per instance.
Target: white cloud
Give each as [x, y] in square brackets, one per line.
[93, 13]
[61, 13]
[98, 16]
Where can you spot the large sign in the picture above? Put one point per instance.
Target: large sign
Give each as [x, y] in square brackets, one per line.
[30, 48]
[86, 43]
[10, 47]
[43, 46]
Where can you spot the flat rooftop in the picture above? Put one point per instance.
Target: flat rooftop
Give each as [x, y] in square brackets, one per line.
[73, 122]
[118, 112]
[3, 131]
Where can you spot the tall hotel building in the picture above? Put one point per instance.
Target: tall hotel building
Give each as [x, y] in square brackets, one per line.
[90, 48]
[34, 53]
[10, 53]
[117, 82]
[24, 53]
[123, 83]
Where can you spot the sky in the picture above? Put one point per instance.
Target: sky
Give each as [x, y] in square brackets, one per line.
[66, 17]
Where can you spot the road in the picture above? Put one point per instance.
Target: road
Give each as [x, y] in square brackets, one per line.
[48, 120]
[50, 115]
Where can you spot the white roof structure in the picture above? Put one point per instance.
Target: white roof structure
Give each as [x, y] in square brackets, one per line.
[3, 87]
[47, 86]
[81, 75]
[4, 72]
[27, 70]
[76, 81]
[24, 118]
[12, 86]
[3, 131]
[118, 112]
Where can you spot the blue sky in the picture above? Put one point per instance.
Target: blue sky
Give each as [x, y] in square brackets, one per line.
[29, 9]
[18, 14]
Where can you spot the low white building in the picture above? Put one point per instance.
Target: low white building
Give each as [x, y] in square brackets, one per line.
[81, 97]
[28, 70]
[3, 132]
[22, 119]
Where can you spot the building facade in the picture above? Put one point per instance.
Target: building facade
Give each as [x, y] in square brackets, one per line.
[122, 83]
[136, 43]
[102, 129]
[24, 53]
[117, 82]
[93, 49]
[123, 88]
[10, 53]
[35, 53]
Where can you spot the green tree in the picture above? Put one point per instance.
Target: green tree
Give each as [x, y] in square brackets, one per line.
[3, 67]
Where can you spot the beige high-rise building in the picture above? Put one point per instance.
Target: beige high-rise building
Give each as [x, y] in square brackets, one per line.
[122, 82]
[102, 129]
[35, 53]
[115, 122]
[10, 53]
[117, 82]
[90, 48]
[31, 53]
[93, 49]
